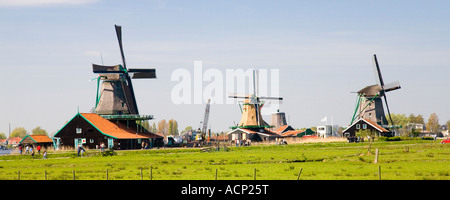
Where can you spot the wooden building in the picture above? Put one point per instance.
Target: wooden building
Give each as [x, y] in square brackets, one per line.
[90, 130]
[255, 135]
[365, 124]
[36, 140]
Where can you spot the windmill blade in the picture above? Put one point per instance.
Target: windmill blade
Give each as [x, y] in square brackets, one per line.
[257, 114]
[143, 73]
[255, 82]
[387, 107]
[272, 98]
[239, 97]
[119, 38]
[129, 96]
[377, 71]
[101, 69]
[392, 86]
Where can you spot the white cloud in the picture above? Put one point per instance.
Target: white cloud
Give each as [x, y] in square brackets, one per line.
[22, 3]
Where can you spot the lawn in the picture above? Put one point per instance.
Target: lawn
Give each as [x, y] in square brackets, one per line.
[400, 160]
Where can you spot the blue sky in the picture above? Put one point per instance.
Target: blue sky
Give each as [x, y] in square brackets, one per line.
[323, 50]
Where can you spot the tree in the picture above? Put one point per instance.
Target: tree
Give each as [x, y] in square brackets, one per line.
[433, 123]
[365, 134]
[175, 127]
[188, 128]
[154, 128]
[146, 125]
[170, 127]
[416, 119]
[2, 136]
[163, 126]
[399, 119]
[19, 132]
[39, 131]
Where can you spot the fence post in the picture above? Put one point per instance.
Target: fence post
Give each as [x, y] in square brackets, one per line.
[73, 173]
[107, 178]
[45, 174]
[298, 177]
[254, 173]
[216, 174]
[151, 172]
[379, 172]
[376, 155]
[18, 175]
[141, 174]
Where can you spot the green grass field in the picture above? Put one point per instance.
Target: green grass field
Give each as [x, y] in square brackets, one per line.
[401, 160]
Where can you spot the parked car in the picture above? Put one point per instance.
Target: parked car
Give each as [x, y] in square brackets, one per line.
[445, 141]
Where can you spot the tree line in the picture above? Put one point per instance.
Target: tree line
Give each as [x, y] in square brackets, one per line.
[431, 125]
[22, 132]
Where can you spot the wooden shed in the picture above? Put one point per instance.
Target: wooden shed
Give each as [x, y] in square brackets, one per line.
[36, 140]
[365, 124]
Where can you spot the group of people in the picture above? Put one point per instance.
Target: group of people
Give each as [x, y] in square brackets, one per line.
[29, 149]
[246, 142]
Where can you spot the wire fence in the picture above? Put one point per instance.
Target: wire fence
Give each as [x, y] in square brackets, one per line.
[140, 174]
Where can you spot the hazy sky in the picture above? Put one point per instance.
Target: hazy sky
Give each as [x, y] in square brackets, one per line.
[323, 50]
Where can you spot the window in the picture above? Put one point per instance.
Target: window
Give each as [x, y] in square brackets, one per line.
[78, 130]
[91, 141]
[358, 126]
[364, 126]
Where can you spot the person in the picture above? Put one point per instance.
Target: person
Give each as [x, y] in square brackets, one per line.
[102, 147]
[26, 149]
[80, 150]
[39, 149]
[45, 155]
[20, 149]
[32, 153]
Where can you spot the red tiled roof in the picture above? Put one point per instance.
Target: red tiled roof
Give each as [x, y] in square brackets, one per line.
[292, 133]
[108, 128]
[375, 125]
[41, 138]
[281, 129]
[14, 140]
[371, 123]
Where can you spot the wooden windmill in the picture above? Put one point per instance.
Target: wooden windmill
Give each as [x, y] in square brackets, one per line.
[369, 105]
[116, 95]
[251, 108]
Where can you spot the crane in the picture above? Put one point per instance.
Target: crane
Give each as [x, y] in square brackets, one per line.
[205, 121]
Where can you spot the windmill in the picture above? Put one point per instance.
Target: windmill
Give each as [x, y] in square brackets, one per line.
[251, 109]
[369, 104]
[116, 96]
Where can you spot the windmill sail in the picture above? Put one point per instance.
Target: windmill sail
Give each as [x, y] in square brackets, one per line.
[251, 110]
[117, 93]
[369, 104]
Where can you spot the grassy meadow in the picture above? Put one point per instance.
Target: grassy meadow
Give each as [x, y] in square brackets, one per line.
[399, 160]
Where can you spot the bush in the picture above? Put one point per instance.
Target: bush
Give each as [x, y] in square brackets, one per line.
[390, 139]
[427, 138]
[109, 152]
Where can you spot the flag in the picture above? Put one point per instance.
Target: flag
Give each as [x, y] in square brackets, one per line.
[324, 119]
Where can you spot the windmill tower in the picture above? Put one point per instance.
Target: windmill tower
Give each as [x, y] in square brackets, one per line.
[116, 95]
[251, 108]
[369, 104]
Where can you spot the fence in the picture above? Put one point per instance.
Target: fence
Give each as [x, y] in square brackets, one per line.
[141, 174]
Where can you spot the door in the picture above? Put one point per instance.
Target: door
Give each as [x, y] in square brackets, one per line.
[78, 141]
[110, 143]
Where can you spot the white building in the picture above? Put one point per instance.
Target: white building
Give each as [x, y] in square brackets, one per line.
[328, 131]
